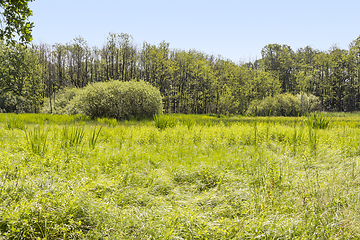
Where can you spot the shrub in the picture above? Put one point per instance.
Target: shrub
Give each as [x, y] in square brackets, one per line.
[120, 100]
[64, 102]
[12, 103]
[310, 102]
[279, 105]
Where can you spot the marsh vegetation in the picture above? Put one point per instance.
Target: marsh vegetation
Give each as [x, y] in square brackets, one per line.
[201, 177]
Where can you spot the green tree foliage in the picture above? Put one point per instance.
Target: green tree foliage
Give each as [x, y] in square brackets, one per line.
[192, 81]
[279, 60]
[14, 103]
[79, 62]
[15, 20]
[189, 81]
[264, 84]
[64, 103]
[119, 55]
[21, 74]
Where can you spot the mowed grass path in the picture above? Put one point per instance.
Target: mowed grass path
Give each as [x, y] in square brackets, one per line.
[64, 177]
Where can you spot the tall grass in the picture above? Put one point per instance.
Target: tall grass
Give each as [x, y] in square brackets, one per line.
[318, 120]
[72, 136]
[94, 137]
[313, 140]
[36, 139]
[164, 121]
[112, 122]
[13, 122]
[243, 178]
[44, 118]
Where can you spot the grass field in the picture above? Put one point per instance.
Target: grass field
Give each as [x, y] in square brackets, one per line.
[182, 177]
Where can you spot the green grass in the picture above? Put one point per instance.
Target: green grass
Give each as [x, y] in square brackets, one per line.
[164, 121]
[13, 120]
[318, 120]
[36, 140]
[206, 177]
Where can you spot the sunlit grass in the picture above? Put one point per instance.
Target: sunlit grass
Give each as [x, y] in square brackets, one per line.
[205, 177]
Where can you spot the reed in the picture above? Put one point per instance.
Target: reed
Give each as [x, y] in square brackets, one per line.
[13, 122]
[318, 120]
[94, 137]
[164, 121]
[36, 139]
[72, 137]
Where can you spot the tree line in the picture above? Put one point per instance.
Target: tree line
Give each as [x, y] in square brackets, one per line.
[190, 81]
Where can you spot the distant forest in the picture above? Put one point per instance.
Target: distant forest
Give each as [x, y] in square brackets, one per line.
[189, 81]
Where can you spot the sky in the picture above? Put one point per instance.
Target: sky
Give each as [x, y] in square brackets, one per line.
[236, 30]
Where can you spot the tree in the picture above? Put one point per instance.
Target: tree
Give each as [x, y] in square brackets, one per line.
[79, 62]
[264, 84]
[21, 74]
[354, 72]
[34, 86]
[279, 60]
[15, 19]
[120, 57]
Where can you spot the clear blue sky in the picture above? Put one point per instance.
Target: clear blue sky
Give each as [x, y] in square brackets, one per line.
[237, 30]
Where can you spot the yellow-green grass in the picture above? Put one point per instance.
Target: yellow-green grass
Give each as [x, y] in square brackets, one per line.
[215, 178]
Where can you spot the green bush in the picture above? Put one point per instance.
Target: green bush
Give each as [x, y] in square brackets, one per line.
[310, 102]
[279, 105]
[64, 102]
[14, 104]
[115, 99]
[120, 100]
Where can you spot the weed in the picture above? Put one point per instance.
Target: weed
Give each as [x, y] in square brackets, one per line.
[94, 136]
[111, 122]
[72, 136]
[164, 121]
[188, 122]
[36, 139]
[13, 122]
[313, 140]
[318, 120]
